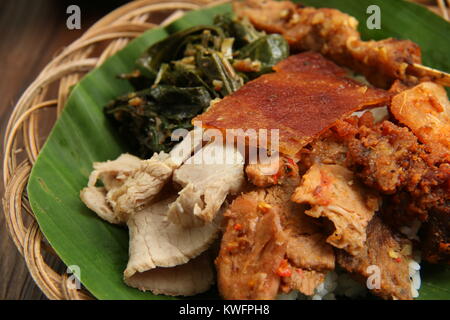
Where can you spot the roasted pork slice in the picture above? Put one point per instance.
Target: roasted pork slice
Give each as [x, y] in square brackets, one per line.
[207, 178]
[299, 105]
[142, 186]
[425, 109]
[188, 279]
[304, 256]
[95, 199]
[335, 35]
[383, 264]
[252, 248]
[157, 242]
[129, 185]
[308, 256]
[333, 192]
[435, 236]
[306, 245]
[114, 172]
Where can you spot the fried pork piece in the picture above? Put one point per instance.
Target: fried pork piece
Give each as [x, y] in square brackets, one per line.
[270, 246]
[335, 35]
[425, 109]
[390, 159]
[327, 149]
[261, 175]
[304, 281]
[386, 253]
[435, 236]
[300, 104]
[334, 193]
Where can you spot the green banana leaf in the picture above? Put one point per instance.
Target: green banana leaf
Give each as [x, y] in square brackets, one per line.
[82, 135]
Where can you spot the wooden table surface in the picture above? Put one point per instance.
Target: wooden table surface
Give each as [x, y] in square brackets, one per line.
[32, 32]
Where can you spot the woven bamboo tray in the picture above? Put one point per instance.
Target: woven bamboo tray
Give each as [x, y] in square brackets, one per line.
[24, 136]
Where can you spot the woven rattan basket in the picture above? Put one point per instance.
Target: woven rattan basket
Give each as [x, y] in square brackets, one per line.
[23, 137]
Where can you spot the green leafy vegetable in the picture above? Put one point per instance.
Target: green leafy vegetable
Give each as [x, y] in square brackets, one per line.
[212, 60]
[268, 50]
[147, 118]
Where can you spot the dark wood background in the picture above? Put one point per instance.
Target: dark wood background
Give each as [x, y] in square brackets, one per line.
[32, 32]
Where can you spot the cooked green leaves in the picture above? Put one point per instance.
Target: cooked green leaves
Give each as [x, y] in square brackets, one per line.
[147, 118]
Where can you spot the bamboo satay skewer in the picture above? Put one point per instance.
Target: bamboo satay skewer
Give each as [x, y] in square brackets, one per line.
[437, 76]
[443, 8]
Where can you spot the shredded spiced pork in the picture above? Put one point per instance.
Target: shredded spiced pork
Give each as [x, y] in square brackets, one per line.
[270, 246]
[335, 194]
[390, 159]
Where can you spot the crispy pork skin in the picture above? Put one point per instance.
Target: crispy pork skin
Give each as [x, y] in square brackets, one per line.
[435, 236]
[301, 104]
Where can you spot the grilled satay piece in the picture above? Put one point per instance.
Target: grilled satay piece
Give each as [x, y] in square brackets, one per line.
[334, 34]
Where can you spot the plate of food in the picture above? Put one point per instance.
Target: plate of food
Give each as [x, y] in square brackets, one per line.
[258, 150]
